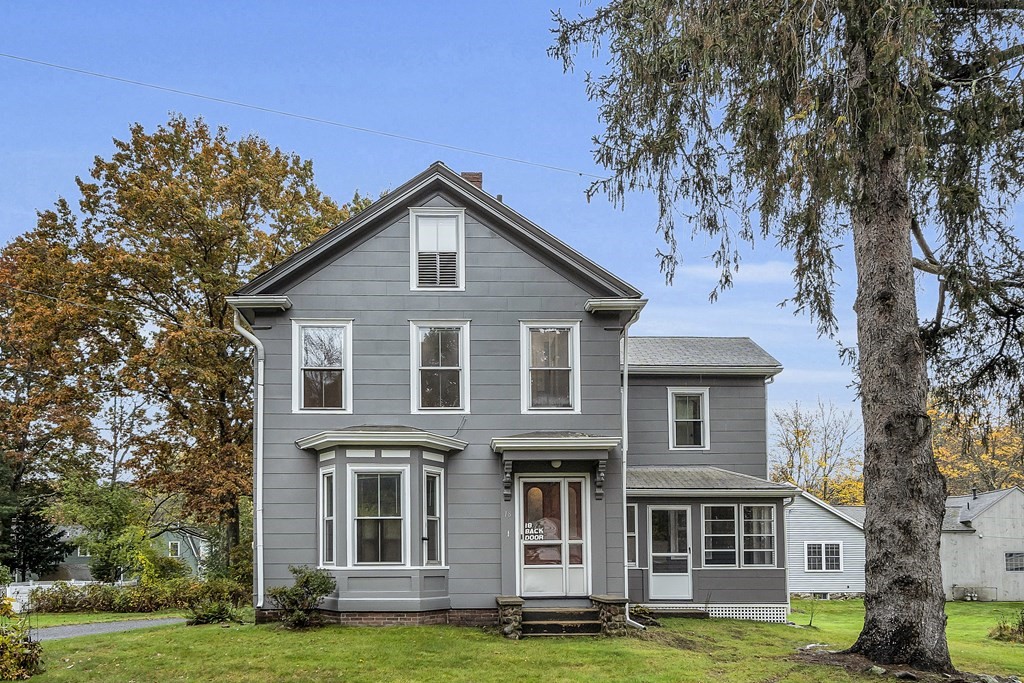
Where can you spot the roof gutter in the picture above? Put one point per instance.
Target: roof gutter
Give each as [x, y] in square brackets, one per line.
[757, 370]
[746, 493]
[257, 490]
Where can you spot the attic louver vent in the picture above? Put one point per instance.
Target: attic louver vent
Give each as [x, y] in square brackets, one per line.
[437, 269]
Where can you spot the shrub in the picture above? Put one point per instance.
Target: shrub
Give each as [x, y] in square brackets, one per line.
[226, 590]
[1011, 631]
[299, 603]
[20, 656]
[6, 576]
[165, 568]
[212, 612]
[148, 596]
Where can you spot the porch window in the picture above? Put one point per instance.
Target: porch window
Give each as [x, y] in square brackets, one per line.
[759, 535]
[551, 359]
[631, 535]
[379, 518]
[1015, 562]
[823, 557]
[719, 535]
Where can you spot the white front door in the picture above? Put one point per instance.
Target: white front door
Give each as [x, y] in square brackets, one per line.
[669, 544]
[553, 537]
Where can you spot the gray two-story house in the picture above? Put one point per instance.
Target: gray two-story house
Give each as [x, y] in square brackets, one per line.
[449, 409]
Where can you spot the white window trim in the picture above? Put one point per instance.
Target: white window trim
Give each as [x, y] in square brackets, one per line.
[823, 570]
[83, 552]
[170, 544]
[737, 522]
[441, 555]
[320, 515]
[350, 476]
[297, 325]
[774, 534]
[633, 511]
[651, 509]
[460, 259]
[414, 365]
[705, 406]
[524, 367]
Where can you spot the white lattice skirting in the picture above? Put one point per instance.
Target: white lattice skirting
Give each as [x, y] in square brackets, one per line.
[772, 613]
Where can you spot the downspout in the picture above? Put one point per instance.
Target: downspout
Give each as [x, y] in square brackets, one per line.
[625, 456]
[785, 516]
[257, 491]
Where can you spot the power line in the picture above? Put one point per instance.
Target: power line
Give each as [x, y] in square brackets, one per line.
[302, 117]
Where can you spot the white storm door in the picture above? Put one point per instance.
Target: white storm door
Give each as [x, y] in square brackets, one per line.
[669, 547]
[553, 538]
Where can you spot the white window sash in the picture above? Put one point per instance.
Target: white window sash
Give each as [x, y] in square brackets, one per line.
[631, 536]
[526, 365]
[823, 556]
[325, 474]
[772, 534]
[415, 365]
[705, 536]
[417, 212]
[352, 471]
[437, 472]
[298, 364]
[705, 417]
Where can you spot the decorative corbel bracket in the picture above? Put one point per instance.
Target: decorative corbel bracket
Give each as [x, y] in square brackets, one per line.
[506, 479]
[599, 480]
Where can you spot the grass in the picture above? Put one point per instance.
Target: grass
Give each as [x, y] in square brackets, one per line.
[685, 650]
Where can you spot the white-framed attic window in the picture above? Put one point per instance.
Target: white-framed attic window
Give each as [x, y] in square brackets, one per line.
[437, 248]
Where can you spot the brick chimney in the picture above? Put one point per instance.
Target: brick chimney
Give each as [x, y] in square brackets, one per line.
[474, 177]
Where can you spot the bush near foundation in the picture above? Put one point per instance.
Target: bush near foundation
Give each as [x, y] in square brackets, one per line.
[20, 656]
[299, 603]
[147, 596]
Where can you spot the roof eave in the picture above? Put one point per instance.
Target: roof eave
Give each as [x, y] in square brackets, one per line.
[614, 305]
[753, 370]
[746, 493]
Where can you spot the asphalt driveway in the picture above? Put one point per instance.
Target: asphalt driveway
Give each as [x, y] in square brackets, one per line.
[75, 630]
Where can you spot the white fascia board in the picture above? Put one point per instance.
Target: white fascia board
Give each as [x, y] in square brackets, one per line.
[759, 371]
[612, 305]
[581, 443]
[711, 493]
[259, 301]
[331, 439]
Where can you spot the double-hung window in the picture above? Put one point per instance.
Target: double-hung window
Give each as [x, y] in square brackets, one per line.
[759, 535]
[322, 361]
[432, 506]
[437, 248]
[631, 535]
[1014, 562]
[174, 549]
[688, 418]
[720, 536]
[823, 557]
[440, 367]
[379, 516]
[550, 366]
[327, 517]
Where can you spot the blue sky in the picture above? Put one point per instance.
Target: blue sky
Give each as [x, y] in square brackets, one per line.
[469, 74]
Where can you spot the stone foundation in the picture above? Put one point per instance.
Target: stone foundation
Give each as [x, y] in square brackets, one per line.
[456, 617]
[612, 610]
[510, 616]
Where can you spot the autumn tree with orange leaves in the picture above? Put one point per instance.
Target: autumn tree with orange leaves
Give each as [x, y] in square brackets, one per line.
[167, 226]
[983, 450]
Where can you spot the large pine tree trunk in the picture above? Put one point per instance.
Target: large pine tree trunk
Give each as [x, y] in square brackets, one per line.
[903, 490]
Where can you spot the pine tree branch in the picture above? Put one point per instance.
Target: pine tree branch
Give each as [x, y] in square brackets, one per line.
[987, 5]
[961, 74]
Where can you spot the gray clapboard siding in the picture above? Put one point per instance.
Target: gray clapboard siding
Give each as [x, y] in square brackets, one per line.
[809, 522]
[736, 413]
[370, 285]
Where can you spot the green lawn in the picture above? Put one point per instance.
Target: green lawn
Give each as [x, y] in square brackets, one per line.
[684, 650]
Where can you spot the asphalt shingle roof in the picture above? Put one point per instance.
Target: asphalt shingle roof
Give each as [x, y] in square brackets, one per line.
[698, 478]
[699, 352]
[852, 511]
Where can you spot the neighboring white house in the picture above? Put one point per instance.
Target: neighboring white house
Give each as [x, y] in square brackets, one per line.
[983, 545]
[824, 548]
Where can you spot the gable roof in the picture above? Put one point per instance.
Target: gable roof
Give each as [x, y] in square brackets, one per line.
[435, 178]
[962, 510]
[726, 355]
[699, 480]
[839, 511]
